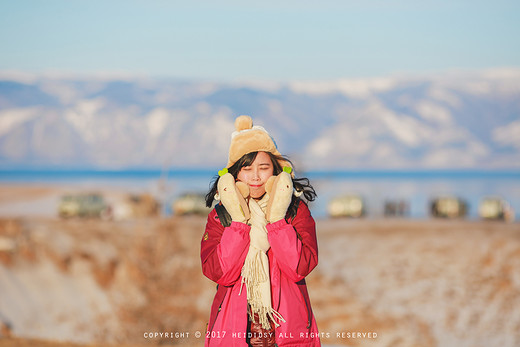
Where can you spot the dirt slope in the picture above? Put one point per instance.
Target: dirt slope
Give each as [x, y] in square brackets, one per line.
[400, 283]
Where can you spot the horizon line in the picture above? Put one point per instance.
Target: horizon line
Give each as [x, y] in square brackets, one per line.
[21, 75]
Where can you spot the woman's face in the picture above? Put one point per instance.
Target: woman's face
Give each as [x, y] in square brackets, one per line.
[256, 175]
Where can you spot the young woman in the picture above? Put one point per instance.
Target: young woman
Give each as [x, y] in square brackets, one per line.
[259, 245]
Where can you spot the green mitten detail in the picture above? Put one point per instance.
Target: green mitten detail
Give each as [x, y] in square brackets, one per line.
[223, 172]
[232, 198]
[280, 190]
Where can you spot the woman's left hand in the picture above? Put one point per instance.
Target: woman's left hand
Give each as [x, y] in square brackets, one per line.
[280, 190]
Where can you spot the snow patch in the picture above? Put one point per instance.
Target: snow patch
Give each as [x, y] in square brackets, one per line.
[10, 118]
[355, 88]
[433, 112]
[442, 94]
[156, 121]
[508, 135]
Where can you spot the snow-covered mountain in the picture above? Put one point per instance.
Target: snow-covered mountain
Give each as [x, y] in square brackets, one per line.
[451, 120]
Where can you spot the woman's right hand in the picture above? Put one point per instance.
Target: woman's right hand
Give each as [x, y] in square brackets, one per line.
[232, 196]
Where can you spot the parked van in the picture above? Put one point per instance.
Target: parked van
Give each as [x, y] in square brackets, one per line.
[448, 207]
[346, 206]
[84, 205]
[190, 203]
[494, 208]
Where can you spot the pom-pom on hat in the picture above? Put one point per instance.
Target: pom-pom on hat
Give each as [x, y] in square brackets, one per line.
[248, 138]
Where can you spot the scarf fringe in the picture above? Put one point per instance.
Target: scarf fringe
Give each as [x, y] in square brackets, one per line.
[265, 315]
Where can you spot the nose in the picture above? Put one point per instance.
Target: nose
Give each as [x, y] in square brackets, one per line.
[256, 175]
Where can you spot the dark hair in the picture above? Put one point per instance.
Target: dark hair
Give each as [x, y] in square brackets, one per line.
[300, 184]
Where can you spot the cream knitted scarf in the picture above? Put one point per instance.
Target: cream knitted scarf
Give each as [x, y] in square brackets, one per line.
[255, 272]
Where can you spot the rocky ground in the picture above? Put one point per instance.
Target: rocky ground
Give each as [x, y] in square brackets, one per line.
[379, 282]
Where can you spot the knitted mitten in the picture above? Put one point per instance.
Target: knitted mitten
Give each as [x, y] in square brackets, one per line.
[232, 197]
[280, 190]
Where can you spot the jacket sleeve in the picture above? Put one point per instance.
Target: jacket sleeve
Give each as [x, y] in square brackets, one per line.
[294, 245]
[223, 250]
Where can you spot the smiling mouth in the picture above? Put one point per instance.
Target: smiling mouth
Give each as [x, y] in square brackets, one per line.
[255, 186]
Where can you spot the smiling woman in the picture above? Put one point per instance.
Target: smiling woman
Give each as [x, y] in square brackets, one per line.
[258, 246]
[257, 174]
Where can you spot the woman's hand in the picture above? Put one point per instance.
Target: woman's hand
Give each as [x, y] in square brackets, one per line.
[280, 190]
[232, 197]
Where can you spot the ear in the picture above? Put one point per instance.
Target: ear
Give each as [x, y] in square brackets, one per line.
[243, 189]
[269, 184]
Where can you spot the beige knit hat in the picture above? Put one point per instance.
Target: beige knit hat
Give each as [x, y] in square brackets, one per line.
[248, 138]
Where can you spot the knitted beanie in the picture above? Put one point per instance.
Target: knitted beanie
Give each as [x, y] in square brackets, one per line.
[248, 138]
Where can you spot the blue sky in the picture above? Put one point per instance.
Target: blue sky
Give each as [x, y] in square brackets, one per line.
[236, 40]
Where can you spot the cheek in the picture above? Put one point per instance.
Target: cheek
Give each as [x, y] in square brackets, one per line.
[242, 176]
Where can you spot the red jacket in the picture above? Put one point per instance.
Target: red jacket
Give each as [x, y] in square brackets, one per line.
[292, 256]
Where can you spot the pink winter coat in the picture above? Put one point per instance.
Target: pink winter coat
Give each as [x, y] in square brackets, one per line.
[292, 256]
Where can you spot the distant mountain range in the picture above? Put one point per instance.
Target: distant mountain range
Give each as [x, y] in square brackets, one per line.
[448, 121]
